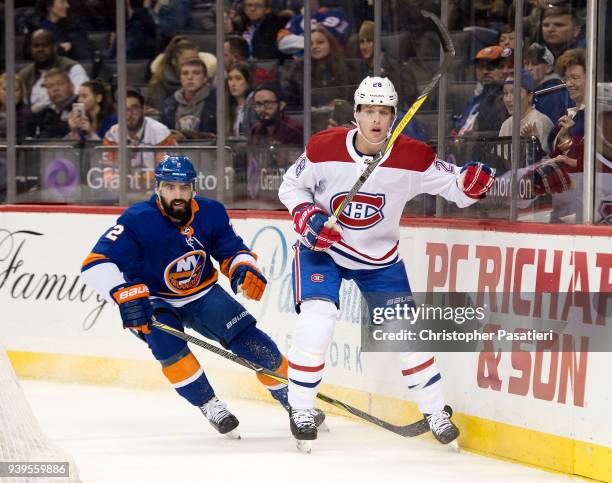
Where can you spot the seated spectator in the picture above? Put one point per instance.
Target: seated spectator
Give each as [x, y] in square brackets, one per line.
[330, 74]
[506, 62]
[291, 38]
[532, 21]
[540, 62]
[95, 15]
[45, 58]
[52, 121]
[165, 69]
[562, 29]
[274, 126]
[506, 37]
[171, 16]
[140, 33]
[485, 111]
[240, 116]
[259, 25]
[400, 75]
[341, 115]
[236, 50]
[99, 112]
[22, 110]
[486, 12]
[71, 37]
[534, 124]
[141, 131]
[192, 109]
[567, 138]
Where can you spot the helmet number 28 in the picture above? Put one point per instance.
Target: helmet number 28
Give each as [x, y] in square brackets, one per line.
[115, 232]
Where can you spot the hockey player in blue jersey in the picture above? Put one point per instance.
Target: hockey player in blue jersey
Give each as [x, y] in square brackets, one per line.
[157, 260]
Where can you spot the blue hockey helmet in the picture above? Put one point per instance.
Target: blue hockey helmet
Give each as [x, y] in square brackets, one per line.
[176, 169]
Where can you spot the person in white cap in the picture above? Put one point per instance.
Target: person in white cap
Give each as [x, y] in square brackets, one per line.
[363, 244]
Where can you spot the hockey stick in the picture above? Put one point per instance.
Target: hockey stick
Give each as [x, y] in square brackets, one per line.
[549, 90]
[449, 55]
[415, 429]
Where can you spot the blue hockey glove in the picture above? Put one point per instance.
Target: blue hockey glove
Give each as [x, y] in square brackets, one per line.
[248, 279]
[134, 306]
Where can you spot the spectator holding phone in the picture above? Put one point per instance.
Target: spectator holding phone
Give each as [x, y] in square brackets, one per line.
[93, 114]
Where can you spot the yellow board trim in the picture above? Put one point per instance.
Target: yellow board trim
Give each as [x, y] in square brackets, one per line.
[480, 435]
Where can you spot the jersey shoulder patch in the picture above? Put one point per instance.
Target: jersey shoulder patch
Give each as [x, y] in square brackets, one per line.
[410, 154]
[329, 145]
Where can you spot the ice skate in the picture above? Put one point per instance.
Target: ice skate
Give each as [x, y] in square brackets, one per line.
[443, 429]
[303, 428]
[282, 397]
[220, 418]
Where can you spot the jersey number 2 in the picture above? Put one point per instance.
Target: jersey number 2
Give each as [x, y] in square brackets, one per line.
[115, 232]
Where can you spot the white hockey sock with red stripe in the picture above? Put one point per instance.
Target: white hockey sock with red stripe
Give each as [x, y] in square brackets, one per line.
[422, 377]
[311, 338]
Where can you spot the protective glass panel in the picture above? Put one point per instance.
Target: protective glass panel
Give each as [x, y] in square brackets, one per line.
[603, 120]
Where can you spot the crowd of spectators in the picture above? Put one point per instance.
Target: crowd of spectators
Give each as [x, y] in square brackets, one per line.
[264, 70]
[267, 38]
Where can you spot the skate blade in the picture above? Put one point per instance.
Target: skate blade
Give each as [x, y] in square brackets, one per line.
[454, 445]
[304, 446]
[233, 434]
[323, 427]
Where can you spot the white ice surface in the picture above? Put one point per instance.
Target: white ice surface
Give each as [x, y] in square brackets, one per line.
[124, 435]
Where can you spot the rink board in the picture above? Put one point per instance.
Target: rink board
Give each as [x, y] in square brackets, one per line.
[55, 327]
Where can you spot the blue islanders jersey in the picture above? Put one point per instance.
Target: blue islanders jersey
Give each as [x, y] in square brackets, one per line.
[175, 262]
[335, 21]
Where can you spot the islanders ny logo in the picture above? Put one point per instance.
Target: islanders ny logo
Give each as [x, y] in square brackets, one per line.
[364, 211]
[184, 274]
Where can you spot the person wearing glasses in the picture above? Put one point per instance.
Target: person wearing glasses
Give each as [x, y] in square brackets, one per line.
[274, 126]
[567, 138]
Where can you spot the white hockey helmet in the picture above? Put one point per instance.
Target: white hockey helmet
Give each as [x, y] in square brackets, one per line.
[376, 91]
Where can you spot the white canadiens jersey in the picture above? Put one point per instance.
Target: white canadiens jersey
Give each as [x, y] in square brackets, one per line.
[329, 168]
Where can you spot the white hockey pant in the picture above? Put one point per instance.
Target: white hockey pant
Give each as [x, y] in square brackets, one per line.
[312, 336]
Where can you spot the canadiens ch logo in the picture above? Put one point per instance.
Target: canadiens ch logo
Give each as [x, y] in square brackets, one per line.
[317, 277]
[364, 211]
[184, 273]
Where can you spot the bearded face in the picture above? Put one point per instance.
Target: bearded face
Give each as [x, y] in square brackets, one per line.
[175, 199]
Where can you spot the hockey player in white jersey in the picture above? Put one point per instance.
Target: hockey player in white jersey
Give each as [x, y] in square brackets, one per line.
[363, 245]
